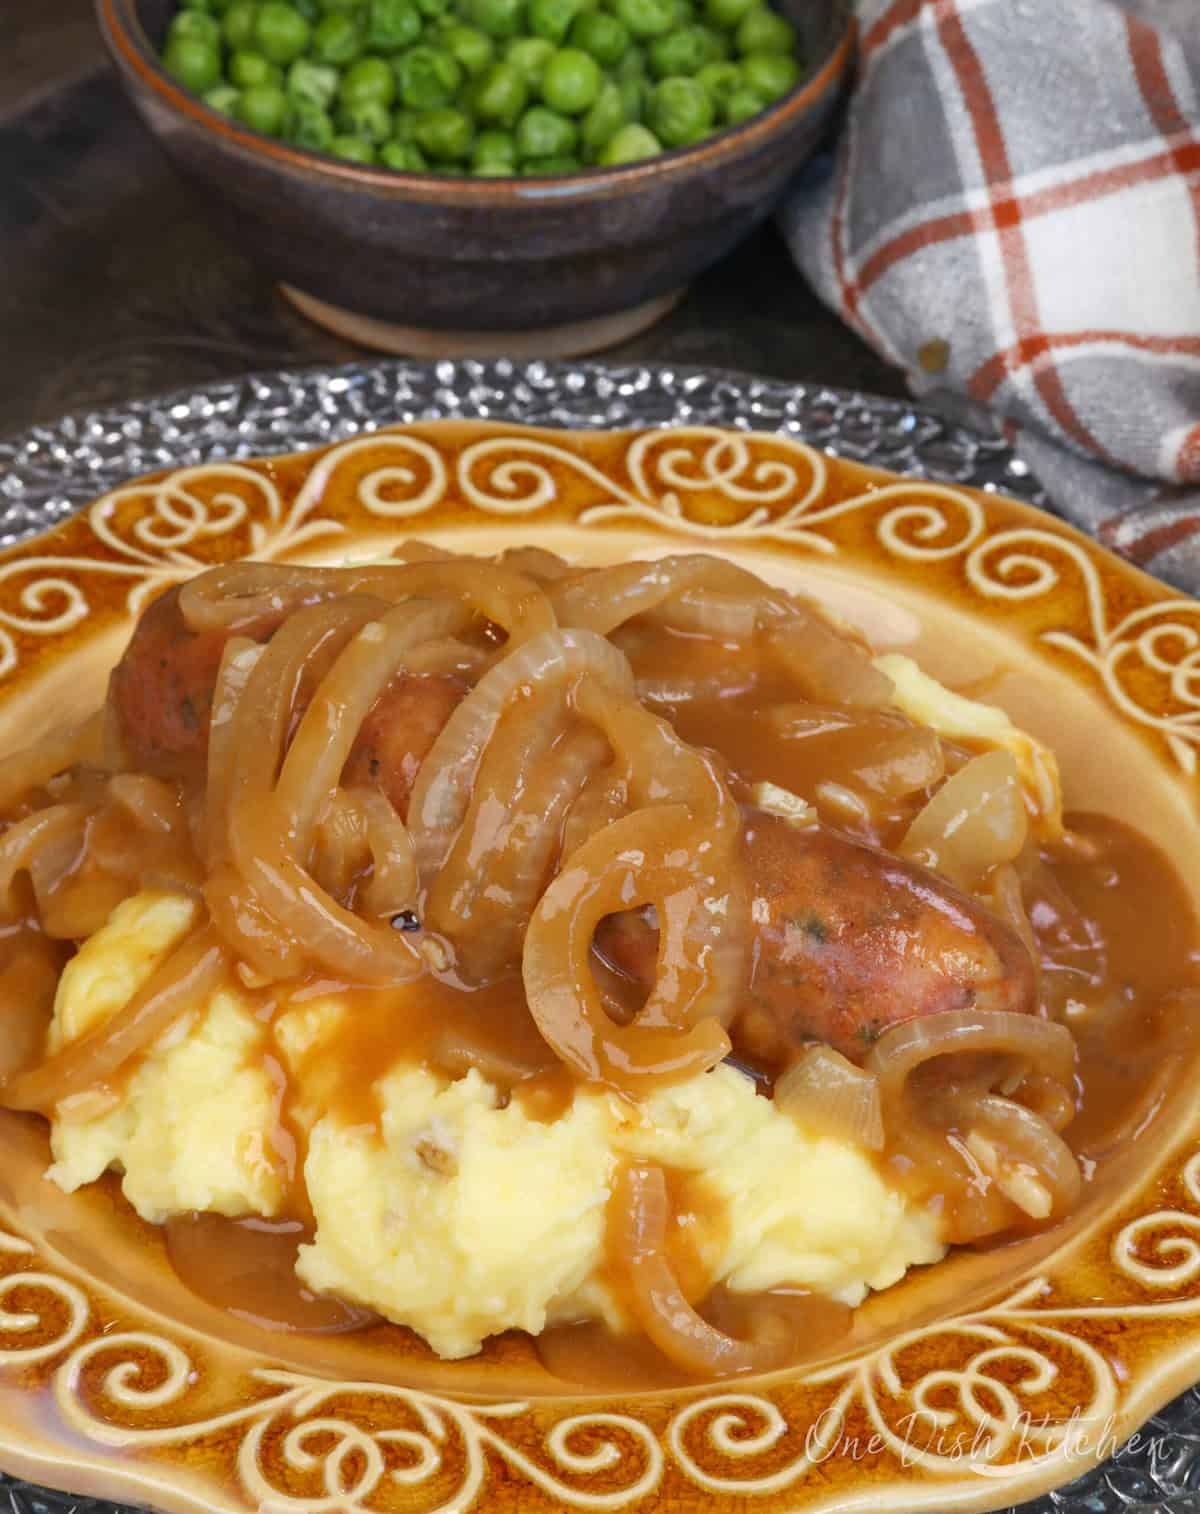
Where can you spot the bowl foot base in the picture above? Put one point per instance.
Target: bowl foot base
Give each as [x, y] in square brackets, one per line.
[571, 339]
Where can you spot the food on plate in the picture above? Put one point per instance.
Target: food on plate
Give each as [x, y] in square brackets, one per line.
[497, 944]
[490, 88]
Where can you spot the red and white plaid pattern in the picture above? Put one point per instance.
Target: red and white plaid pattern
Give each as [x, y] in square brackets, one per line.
[1013, 216]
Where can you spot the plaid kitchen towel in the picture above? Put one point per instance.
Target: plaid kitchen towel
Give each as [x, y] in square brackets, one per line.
[1012, 215]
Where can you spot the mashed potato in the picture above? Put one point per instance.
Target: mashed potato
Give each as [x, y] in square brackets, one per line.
[191, 1126]
[461, 1215]
[928, 702]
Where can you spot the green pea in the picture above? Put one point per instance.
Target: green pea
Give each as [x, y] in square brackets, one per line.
[495, 150]
[601, 35]
[492, 168]
[682, 52]
[550, 167]
[680, 112]
[552, 18]
[499, 18]
[223, 98]
[763, 31]
[392, 25]
[571, 81]
[197, 25]
[352, 149]
[309, 9]
[404, 123]
[635, 98]
[249, 70]
[264, 108]
[604, 120]
[683, 13]
[728, 14]
[312, 128]
[633, 65]
[432, 9]
[543, 133]
[501, 95]
[346, 7]
[201, 7]
[312, 84]
[445, 134]
[529, 56]
[770, 75]
[280, 32]
[428, 78]
[369, 119]
[630, 144]
[741, 104]
[370, 80]
[472, 49]
[720, 79]
[193, 63]
[403, 157]
[237, 25]
[644, 18]
[337, 39]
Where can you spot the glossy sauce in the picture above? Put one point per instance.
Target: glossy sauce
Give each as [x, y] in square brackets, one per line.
[1124, 992]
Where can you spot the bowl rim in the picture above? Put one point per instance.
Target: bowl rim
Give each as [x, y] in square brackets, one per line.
[133, 53]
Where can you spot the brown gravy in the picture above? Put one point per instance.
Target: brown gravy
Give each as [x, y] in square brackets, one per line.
[1120, 960]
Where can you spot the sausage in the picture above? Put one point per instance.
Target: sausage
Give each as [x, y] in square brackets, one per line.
[846, 941]
[162, 691]
[398, 732]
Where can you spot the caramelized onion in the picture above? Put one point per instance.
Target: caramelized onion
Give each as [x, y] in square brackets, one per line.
[247, 595]
[443, 791]
[1027, 1039]
[638, 1215]
[976, 821]
[393, 884]
[1032, 1165]
[622, 868]
[188, 977]
[34, 766]
[826, 665]
[60, 826]
[827, 1094]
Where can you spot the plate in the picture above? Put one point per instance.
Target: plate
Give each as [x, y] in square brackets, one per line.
[1030, 1364]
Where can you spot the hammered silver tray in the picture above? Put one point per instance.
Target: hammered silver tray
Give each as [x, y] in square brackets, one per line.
[50, 470]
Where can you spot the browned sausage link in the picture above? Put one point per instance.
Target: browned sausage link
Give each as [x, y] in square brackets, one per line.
[162, 690]
[847, 941]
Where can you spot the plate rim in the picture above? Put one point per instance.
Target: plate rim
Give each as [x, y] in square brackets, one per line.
[1155, 1389]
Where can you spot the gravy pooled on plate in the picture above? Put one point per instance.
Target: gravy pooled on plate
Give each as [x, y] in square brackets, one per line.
[618, 954]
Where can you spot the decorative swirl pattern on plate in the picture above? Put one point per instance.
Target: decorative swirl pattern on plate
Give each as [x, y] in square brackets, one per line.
[149, 529]
[1162, 638]
[971, 1395]
[307, 1425]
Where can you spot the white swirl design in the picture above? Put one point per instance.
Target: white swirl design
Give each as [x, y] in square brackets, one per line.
[1162, 637]
[345, 1461]
[146, 534]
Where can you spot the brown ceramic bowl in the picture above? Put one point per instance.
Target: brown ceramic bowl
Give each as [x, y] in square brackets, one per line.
[448, 266]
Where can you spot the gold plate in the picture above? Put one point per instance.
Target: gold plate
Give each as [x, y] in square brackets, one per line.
[971, 1385]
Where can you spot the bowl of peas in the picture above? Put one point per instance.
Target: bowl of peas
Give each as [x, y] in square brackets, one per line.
[457, 177]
